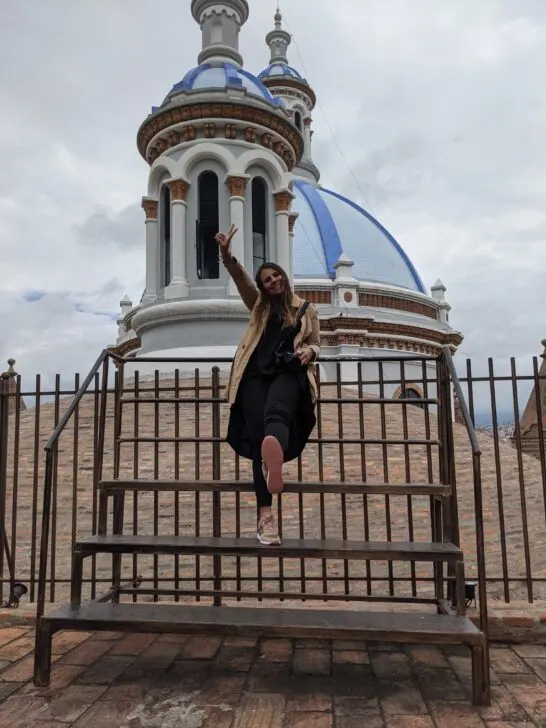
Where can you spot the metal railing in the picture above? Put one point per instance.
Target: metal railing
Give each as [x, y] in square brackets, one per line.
[357, 439]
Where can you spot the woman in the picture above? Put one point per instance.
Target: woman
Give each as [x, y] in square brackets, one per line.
[272, 388]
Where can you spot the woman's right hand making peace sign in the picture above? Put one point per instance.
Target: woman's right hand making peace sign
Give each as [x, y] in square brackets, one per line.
[224, 241]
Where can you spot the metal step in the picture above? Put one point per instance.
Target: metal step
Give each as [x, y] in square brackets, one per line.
[353, 488]
[279, 622]
[291, 548]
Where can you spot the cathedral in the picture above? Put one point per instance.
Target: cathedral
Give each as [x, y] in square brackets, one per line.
[226, 146]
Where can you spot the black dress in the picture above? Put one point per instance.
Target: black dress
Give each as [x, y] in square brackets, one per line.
[262, 364]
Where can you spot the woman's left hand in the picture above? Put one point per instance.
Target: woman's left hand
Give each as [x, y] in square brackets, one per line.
[304, 355]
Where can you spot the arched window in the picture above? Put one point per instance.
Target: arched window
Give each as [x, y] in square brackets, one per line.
[259, 222]
[208, 266]
[298, 120]
[165, 246]
[413, 395]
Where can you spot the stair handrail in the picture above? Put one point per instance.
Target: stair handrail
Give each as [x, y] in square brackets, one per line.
[50, 450]
[478, 500]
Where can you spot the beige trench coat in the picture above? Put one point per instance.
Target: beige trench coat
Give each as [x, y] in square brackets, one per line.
[308, 336]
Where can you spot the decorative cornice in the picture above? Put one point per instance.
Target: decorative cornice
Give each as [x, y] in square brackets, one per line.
[236, 186]
[352, 338]
[201, 114]
[283, 201]
[204, 8]
[443, 338]
[291, 83]
[150, 208]
[179, 189]
[375, 300]
[315, 296]
[292, 93]
[189, 310]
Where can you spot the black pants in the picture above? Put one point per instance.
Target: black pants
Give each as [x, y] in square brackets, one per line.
[268, 405]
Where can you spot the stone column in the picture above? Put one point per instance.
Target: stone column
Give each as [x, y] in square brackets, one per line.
[307, 137]
[237, 191]
[291, 223]
[283, 201]
[178, 287]
[150, 206]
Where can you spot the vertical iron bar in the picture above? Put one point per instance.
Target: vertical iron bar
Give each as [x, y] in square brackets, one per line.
[450, 452]
[136, 461]
[11, 552]
[75, 470]
[57, 403]
[301, 511]
[542, 452]
[405, 437]
[99, 458]
[280, 527]
[4, 435]
[498, 473]
[430, 471]
[35, 470]
[521, 477]
[480, 554]
[426, 395]
[119, 498]
[343, 496]
[322, 499]
[177, 446]
[238, 573]
[364, 473]
[197, 432]
[216, 475]
[385, 471]
[156, 477]
[442, 519]
[470, 386]
[44, 539]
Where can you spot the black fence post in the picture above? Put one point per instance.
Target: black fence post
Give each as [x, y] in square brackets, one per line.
[16, 590]
[216, 475]
[4, 414]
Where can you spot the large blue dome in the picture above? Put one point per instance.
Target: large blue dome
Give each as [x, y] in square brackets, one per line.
[330, 225]
[278, 69]
[207, 77]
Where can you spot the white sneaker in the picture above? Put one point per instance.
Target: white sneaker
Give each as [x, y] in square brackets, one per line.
[268, 533]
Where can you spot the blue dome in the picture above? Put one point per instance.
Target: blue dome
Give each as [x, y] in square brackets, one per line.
[330, 225]
[282, 69]
[207, 78]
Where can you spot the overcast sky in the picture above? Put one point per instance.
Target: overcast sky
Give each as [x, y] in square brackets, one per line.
[439, 109]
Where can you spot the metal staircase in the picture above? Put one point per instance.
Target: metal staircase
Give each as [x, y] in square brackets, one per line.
[222, 560]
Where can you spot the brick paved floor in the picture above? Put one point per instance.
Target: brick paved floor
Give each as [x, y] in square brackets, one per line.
[145, 681]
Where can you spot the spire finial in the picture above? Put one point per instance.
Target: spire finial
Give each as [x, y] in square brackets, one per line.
[278, 40]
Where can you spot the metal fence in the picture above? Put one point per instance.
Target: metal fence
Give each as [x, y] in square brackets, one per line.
[173, 426]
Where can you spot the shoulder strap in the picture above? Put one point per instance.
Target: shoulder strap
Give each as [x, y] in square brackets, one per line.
[301, 312]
